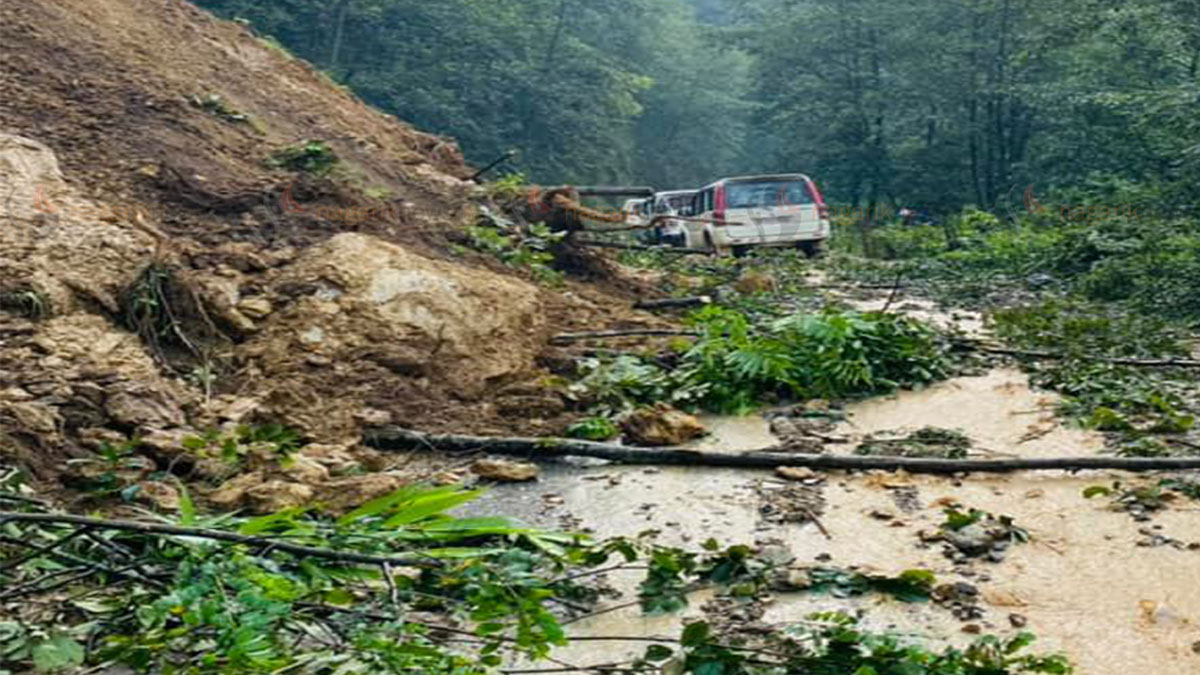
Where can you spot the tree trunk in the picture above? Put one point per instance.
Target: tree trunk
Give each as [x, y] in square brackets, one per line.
[395, 438]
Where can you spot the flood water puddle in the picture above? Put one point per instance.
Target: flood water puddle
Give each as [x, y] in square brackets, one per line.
[1083, 585]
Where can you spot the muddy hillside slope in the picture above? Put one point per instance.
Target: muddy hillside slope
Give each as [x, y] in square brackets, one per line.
[197, 230]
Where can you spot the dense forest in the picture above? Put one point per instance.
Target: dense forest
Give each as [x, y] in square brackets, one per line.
[937, 104]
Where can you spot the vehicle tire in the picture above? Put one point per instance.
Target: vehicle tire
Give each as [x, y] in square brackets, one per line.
[741, 251]
[812, 249]
[712, 247]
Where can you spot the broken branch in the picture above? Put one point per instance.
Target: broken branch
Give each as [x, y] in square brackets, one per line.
[216, 535]
[673, 303]
[566, 338]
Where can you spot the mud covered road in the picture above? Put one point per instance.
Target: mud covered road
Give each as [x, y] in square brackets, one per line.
[1112, 593]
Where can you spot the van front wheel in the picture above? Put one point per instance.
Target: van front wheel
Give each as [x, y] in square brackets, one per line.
[812, 249]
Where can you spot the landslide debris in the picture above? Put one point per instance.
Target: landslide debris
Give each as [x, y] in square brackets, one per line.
[199, 232]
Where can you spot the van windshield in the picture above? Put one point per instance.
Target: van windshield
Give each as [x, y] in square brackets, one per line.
[765, 194]
[674, 203]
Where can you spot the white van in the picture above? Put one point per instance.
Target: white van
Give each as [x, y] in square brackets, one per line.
[778, 210]
[634, 211]
[672, 203]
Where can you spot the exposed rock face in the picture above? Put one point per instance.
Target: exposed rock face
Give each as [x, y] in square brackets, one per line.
[65, 260]
[661, 425]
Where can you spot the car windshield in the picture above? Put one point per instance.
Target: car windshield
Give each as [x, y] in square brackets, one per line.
[765, 194]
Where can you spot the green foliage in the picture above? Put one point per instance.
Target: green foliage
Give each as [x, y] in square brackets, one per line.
[1000, 528]
[215, 104]
[233, 445]
[192, 604]
[626, 383]
[832, 643]
[908, 586]
[1106, 396]
[826, 355]
[516, 247]
[594, 429]
[27, 302]
[926, 442]
[1141, 500]
[672, 573]
[508, 187]
[314, 157]
[736, 365]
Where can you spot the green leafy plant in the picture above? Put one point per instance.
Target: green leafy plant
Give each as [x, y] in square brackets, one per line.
[825, 355]
[594, 429]
[233, 445]
[908, 586]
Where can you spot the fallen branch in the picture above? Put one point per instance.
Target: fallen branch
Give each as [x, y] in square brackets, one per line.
[567, 338]
[396, 438]
[216, 535]
[640, 247]
[965, 344]
[673, 303]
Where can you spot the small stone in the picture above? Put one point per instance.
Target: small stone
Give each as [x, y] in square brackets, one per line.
[504, 471]
[796, 473]
[342, 495]
[972, 629]
[971, 540]
[233, 492]
[277, 495]
[255, 308]
[303, 470]
[661, 425]
[160, 495]
[1017, 621]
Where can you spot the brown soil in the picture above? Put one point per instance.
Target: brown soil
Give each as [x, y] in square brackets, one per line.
[325, 302]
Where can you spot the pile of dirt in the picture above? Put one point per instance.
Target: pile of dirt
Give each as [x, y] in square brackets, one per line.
[161, 276]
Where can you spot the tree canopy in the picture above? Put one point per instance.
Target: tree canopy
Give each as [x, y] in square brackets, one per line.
[927, 102]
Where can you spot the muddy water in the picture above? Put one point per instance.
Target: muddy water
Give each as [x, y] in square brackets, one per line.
[1083, 584]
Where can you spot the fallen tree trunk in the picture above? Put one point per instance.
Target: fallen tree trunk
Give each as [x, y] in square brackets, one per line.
[396, 438]
[567, 338]
[985, 348]
[672, 303]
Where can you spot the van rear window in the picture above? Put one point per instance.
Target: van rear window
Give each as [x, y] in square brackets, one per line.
[765, 194]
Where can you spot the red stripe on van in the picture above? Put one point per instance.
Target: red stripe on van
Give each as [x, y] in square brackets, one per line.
[818, 198]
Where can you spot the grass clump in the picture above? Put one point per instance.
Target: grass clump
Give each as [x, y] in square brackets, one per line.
[930, 442]
[833, 643]
[313, 157]
[26, 302]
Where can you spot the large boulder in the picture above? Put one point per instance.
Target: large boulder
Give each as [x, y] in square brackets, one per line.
[383, 322]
